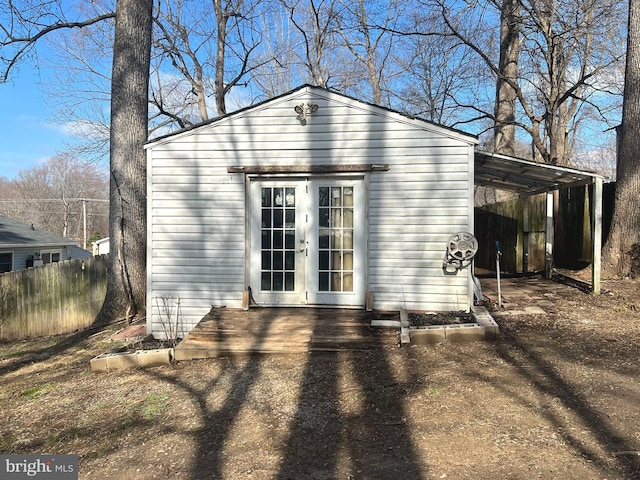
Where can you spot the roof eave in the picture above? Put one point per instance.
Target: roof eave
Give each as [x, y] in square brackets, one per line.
[526, 177]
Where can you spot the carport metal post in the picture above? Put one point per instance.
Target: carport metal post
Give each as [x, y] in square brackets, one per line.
[526, 227]
[548, 257]
[596, 235]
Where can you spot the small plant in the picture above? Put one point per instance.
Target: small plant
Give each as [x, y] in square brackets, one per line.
[434, 391]
[31, 392]
[36, 391]
[171, 323]
[154, 406]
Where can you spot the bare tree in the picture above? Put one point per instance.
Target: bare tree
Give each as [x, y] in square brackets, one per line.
[506, 95]
[50, 196]
[225, 10]
[177, 24]
[316, 22]
[274, 74]
[126, 287]
[565, 49]
[211, 45]
[443, 79]
[182, 83]
[366, 29]
[621, 253]
[26, 25]
[78, 64]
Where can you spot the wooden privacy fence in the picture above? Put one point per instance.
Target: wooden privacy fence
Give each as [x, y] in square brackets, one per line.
[53, 299]
[522, 242]
[522, 236]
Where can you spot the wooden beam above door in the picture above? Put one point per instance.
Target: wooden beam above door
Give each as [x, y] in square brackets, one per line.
[311, 169]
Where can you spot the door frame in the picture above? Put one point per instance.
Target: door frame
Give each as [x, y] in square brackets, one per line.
[350, 300]
[283, 297]
[355, 297]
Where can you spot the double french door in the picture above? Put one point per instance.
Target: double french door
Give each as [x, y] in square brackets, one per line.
[307, 241]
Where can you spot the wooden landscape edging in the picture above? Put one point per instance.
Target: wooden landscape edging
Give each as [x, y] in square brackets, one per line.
[53, 299]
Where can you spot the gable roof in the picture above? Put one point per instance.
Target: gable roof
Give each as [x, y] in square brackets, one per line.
[492, 170]
[14, 234]
[329, 95]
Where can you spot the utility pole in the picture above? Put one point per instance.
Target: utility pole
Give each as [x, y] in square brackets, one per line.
[84, 222]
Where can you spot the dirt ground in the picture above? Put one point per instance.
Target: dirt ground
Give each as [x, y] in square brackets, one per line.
[556, 397]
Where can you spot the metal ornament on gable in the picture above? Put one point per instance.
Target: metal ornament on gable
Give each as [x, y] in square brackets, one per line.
[304, 110]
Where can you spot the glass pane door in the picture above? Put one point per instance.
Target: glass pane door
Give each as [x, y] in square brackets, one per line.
[337, 234]
[335, 239]
[278, 239]
[307, 241]
[278, 242]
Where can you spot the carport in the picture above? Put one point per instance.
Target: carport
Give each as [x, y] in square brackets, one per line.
[527, 178]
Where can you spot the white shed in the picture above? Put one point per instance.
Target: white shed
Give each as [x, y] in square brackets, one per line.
[101, 247]
[312, 198]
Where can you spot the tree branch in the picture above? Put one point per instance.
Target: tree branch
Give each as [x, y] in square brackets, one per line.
[30, 40]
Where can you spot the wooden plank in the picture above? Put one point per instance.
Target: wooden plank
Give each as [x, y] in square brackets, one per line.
[316, 169]
[224, 332]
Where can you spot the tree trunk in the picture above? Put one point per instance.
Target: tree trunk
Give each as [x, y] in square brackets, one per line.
[221, 45]
[505, 108]
[126, 278]
[618, 253]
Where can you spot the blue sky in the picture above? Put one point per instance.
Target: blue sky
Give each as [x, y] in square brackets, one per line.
[28, 135]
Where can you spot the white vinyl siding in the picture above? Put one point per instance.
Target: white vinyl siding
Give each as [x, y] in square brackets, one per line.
[196, 209]
[196, 238]
[413, 210]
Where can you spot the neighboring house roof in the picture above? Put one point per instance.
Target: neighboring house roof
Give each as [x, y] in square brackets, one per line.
[328, 94]
[14, 234]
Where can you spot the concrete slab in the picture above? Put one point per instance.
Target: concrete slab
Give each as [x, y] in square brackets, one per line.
[534, 311]
[128, 360]
[132, 332]
[405, 335]
[521, 292]
[464, 333]
[427, 335]
[546, 304]
[386, 323]
[508, 313]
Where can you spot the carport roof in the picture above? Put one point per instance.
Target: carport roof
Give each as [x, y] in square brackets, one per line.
[524, 176]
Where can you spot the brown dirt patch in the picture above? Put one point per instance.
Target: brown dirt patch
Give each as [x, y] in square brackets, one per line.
[555, 397]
